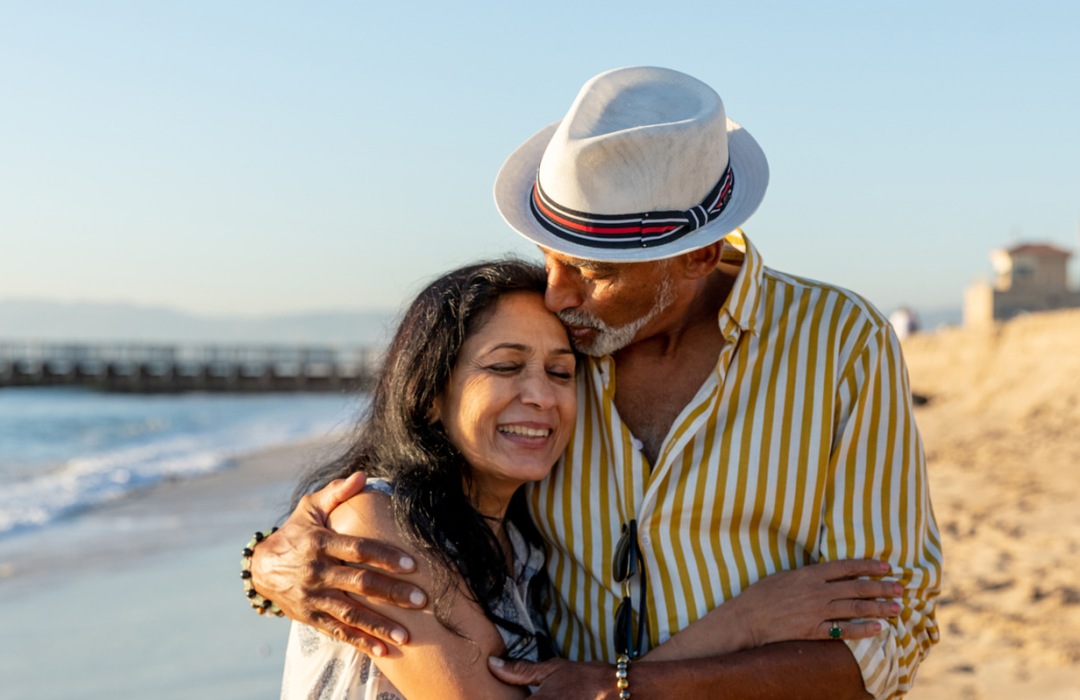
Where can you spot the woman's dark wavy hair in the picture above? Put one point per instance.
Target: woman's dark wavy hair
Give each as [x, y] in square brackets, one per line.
[396, 440]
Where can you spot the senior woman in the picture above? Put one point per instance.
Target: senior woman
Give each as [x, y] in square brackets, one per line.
[477, 397]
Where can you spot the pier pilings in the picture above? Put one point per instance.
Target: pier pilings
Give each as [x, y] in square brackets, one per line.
[153, 368]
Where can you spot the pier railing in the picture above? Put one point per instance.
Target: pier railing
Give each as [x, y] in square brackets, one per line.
[149, 367]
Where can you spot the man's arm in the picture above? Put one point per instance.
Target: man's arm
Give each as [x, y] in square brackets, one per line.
[300, 568]
[784, 671]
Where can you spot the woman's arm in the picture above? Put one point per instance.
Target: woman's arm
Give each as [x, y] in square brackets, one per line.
[799, 604]
[436, 663]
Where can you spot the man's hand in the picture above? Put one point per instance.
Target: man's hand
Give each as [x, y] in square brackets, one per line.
[300, 568]
[558, 678]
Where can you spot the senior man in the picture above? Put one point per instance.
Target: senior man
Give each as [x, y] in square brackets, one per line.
[737, 419]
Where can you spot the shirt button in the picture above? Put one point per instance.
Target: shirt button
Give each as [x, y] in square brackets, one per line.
[645, 539]
[638, 444]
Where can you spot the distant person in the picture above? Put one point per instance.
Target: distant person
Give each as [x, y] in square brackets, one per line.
[905, 322]
[740, 420]
[477, 397]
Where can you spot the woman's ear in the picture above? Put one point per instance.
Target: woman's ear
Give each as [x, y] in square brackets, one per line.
[434, 414]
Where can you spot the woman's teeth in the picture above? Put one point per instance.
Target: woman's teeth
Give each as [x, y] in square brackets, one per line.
[522, 430]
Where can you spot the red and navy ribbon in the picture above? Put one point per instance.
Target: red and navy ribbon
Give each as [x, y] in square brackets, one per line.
[642, 230]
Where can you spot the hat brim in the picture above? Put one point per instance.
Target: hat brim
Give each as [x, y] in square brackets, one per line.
[514, 183]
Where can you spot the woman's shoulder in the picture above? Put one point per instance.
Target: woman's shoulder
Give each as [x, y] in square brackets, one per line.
[368, 513]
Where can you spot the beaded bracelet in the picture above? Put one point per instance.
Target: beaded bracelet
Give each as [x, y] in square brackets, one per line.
[622, 676]
[260, 604]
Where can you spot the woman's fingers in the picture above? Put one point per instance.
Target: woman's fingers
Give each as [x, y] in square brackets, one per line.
[850, 568]
[848, 629]
[864, 588]
[851, 608]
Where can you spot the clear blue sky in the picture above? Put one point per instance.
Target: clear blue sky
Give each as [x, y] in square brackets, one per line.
[261, 157]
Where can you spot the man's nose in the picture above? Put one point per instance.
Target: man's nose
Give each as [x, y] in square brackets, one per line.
[563, 290]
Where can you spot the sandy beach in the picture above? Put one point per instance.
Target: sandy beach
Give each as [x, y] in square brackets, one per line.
[1002, 436]
[100, 608]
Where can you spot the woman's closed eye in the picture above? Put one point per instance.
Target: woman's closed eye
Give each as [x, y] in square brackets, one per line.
[504, 367]
[562, 373]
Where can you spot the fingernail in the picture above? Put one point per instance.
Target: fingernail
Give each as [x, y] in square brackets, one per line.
[377, 650]
[898, 590]
[876, 627]
[407, 563]
[894, 609]
[398, 636]
[496, 661]
[885, 567]
[417, 598]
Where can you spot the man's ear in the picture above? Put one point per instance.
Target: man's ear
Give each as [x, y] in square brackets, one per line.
[701, 262]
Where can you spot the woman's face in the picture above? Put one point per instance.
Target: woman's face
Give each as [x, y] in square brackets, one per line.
[511, 400]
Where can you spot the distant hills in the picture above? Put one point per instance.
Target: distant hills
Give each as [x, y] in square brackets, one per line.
[97, 322]
[38, 320]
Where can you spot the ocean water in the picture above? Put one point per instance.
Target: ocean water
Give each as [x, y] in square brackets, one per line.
[64, 451]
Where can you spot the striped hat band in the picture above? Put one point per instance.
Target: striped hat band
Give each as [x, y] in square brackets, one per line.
[643, 230]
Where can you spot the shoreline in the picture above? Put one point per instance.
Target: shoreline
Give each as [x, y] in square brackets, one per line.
[170, 516]
[173, 514]
[142, 597]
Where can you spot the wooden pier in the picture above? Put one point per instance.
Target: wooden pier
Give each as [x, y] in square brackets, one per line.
[150, 368]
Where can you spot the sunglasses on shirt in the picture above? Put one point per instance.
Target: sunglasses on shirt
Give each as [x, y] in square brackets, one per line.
[627, 563]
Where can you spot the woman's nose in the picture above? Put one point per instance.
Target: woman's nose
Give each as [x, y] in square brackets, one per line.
[536, 389]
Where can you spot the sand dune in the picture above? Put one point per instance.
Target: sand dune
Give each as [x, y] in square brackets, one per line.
[1002, 435]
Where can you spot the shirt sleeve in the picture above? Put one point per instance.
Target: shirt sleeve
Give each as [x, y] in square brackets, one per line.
[878, 506]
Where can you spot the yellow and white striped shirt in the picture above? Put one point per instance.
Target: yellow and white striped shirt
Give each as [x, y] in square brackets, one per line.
[801, 447]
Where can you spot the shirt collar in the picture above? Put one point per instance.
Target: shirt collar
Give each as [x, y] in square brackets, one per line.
[744, 308]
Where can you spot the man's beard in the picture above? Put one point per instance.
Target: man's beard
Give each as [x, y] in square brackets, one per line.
[610, 339]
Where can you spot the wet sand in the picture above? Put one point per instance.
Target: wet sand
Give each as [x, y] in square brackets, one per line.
[142, 598]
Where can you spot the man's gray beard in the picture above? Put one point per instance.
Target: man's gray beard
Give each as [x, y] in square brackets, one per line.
[608, 339]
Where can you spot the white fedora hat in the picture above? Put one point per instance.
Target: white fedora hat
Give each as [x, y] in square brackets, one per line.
[646, 165]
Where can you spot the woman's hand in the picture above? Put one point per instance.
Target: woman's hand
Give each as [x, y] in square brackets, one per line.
[300, 567]
[805, 603]
[795, 605]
